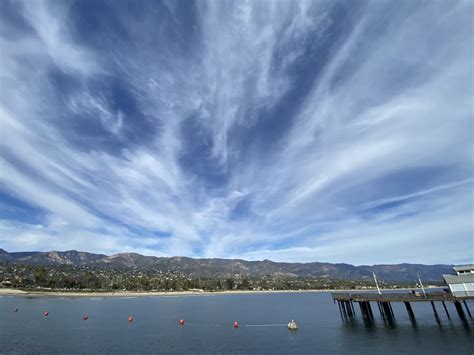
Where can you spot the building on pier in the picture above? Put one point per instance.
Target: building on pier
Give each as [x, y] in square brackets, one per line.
[461, 284]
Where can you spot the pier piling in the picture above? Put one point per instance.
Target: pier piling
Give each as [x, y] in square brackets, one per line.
[387, 310]
[458, 306]
[362, 311]
[370, 310]
[366, 310]
[467, 308]
[380, 310]
[446, 309]
[391, 310]
[434, 311]
[343, 309]
[411, 315]
[351, 313]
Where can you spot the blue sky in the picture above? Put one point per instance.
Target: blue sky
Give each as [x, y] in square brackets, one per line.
[337, 131]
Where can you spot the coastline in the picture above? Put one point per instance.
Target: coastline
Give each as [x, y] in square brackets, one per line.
[58, 293]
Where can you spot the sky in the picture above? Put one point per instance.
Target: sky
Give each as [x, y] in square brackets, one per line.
[298, 131]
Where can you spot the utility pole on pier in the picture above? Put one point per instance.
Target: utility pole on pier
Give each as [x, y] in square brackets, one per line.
[421, 284]
[376, 283]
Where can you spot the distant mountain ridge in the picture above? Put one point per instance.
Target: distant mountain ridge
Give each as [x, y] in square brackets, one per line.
[228, 267]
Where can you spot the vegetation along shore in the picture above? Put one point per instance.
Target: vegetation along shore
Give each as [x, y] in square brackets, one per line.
[86, 280]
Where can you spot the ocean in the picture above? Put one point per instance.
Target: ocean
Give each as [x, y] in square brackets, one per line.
[208, 326]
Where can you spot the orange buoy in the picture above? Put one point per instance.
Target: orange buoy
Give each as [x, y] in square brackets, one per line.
[181, 321]
[236, 324]
[86, 317]
[130, 319]
[45, 313]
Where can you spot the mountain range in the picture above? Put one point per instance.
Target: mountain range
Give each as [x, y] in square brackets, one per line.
[229, 267]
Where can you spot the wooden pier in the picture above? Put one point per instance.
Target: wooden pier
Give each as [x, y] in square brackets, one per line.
[346, 300]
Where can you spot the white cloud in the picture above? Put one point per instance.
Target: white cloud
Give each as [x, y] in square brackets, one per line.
[50, 21]
[387, 100]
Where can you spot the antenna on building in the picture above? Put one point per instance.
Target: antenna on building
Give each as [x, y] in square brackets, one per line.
[376, 283]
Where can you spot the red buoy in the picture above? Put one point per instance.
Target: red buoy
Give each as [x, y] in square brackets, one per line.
[236, 324]
[86, 317]
[130, 319]
[181, 321]
[45, 313]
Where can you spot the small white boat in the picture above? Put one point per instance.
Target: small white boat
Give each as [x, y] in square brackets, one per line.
[292, 325]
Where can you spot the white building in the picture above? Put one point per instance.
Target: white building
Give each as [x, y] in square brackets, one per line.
[461, 284]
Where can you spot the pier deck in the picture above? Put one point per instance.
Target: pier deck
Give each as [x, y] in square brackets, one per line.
[345, 302]
[397, 297]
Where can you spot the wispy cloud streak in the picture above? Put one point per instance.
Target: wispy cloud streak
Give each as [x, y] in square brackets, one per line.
[288, 130]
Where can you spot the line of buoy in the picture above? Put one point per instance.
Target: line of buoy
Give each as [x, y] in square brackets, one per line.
[292, 325]
[264, 325]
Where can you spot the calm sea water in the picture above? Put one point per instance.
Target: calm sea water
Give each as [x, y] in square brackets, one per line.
[208, 327]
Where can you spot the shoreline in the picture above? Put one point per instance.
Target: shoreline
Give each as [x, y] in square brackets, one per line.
[59, 293]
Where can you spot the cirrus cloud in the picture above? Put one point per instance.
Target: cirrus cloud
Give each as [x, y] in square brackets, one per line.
[288, 130]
